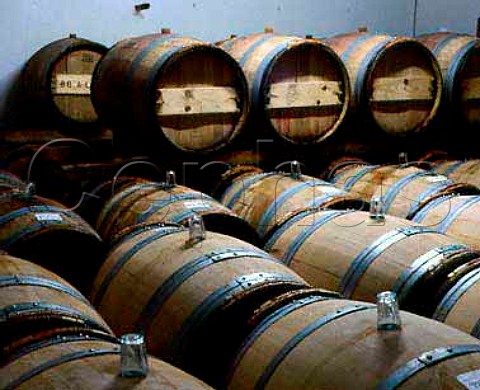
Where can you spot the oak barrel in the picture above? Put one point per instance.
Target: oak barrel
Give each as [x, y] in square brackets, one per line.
[83, 362]
[47, 233]
[57, 81]
[459, 59]
[188, 298]
[361, 179]
[349, 252]
[34, 302]
[313, 343]
[404, 189]
[101, 193]
[151, 202]
[457, 216]
[298, 87]
[396, 81]
[462, 171]
[233, 174]
[459, 307]
[163, 89]
[407, 189]
[264, 199]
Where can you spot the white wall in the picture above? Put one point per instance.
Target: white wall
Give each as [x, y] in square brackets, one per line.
[27, 25]
[451, 15]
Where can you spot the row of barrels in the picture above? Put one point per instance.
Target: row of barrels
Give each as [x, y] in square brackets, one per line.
[285, 340]
[265, 199]
[53, 338]
[164, 89]
[212, 305]
[327, 236]
[424, 196]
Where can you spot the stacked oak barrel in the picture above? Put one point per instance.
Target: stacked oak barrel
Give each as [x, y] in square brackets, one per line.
[185, 269]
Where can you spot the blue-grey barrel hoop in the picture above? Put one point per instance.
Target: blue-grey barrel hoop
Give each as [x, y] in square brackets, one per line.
[369, 254]
[454, 69]
[70, 357]
[301, 336]
[126, 257]
[455, 293]
[427, 360]
[219, 298]
[279, 201]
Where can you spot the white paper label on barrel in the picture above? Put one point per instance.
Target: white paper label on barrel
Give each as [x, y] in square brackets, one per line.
[195, 204]
[437, 179]
[471, 380]
[48, 217]
[71, 84]
[331, 191]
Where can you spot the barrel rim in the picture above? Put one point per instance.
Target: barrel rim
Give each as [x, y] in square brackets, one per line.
[367, 84]
[240, 84]
[457, 67]
[334, 57]
[451, 191]
[75, 45]
[457, 276]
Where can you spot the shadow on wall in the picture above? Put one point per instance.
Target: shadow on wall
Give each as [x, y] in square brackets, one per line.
[15, 113]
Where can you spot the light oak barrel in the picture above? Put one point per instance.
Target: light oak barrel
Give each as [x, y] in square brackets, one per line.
[47, 233]
[188, 298]
[313, 343]
[35, 302]
[340, 164]
[299, 87]
[264, 199]
[160, 90]
[233, 174]
[459, 307]
[361, 179]
[348, 252]
[457, 216]
[404, 189]
[459, 58]
[461, 171]
[57, 81]
[407, 189]
[86, 362]
[396, 81]
[151, 202]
